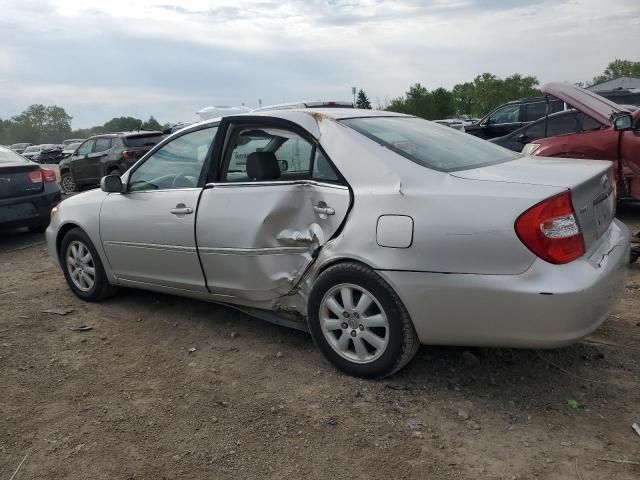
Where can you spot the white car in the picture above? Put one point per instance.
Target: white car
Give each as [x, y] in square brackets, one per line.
[374, 230]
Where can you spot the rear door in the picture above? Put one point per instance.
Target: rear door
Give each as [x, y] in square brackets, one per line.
[148, 232]
[258, 234]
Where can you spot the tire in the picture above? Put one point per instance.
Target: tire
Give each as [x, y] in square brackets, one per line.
[38, 228]
[67, 182]
[384, 318]
[91, 291]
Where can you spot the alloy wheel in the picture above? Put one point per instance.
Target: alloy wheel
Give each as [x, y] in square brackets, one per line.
[81, 266]
[354, 323]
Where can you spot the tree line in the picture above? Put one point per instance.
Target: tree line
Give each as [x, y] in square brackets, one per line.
[52, 124]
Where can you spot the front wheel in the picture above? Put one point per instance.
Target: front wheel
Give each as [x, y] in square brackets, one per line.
[83, 268]
[359, 323]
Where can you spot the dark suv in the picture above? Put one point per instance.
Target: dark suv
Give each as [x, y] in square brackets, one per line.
[107, 154]
[513, 115]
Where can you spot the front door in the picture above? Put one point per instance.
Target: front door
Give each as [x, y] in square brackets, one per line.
[276, 200]
[148, 231]
[80, 162]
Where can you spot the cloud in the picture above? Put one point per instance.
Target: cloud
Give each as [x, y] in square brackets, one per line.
[170, 59]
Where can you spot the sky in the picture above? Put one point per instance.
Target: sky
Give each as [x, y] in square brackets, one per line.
[99, 59]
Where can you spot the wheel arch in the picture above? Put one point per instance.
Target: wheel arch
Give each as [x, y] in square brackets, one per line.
[64, 229]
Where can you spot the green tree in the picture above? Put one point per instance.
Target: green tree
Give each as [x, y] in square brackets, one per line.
[416, 101]
[151, 124]
[443, 103]
[363, 100]
[123, 124]
[619, 68]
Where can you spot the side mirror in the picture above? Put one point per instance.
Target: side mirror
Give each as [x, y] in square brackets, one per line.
[623, 121]
[111, 184]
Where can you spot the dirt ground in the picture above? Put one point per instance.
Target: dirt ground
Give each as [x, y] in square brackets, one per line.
[131, 399]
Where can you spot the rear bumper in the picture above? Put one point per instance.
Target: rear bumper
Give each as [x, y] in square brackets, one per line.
[28, 211]
[547, 306]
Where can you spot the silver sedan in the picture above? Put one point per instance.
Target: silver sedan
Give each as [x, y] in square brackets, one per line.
[375, 231]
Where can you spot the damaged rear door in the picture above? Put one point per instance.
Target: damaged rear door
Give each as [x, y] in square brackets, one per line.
[275, 200]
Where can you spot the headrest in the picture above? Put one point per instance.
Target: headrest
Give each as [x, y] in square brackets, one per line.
[262, 166]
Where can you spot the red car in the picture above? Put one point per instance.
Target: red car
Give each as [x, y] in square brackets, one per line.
[617, 138]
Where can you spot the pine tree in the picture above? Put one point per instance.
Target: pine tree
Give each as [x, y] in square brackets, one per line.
[363, 100]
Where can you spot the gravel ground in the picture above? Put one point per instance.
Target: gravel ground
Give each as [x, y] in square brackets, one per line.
[162, 387]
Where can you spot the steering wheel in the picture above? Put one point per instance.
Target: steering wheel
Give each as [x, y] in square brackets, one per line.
[181, 181]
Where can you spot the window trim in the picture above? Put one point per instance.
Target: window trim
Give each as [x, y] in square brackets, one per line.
[180, 133]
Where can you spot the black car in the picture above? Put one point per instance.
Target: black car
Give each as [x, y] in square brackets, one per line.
[27, 192]
[108, 154]
[560, 123]
[512, 116]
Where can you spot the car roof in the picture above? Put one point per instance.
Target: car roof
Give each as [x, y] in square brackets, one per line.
[126, 134]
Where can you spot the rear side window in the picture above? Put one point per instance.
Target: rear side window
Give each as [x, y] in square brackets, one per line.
[9, 156]
[143, 140]
[430, 145]
[103, 144]
[535, 111]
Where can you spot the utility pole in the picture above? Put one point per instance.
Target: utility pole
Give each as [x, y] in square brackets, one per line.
[353, 92]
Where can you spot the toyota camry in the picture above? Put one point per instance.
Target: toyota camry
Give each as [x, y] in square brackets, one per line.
[375, 231]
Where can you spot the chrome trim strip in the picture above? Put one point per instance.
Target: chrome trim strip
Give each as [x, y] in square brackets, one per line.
[310, 183]
[252, 251]
[152, 246]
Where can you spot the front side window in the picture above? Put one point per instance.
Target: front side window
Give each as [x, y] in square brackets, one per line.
[430, 145]
[178, 164]
[508, 114]
[85, 148]
[292, 153]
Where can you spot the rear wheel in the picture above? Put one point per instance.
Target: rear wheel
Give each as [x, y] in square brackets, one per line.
[67, 182]
[359, 323]
[82, 267]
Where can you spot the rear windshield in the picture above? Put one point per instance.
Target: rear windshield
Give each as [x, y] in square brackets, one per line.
[429, 144]
[35, 148]
[9, 156]
[143, 140]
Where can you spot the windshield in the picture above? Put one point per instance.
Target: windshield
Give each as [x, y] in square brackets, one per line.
[9, 156]
[429, 144]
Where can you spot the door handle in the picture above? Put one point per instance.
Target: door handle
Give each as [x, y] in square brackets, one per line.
[181, 209]
[322, 209]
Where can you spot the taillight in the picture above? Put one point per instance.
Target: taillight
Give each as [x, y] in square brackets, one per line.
[35, 176]
[127, 154]
[550, 230]
[48, 175]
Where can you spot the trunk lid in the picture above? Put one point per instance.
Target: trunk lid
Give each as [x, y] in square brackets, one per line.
[15, 180]
[589, 103]
[589, 181]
